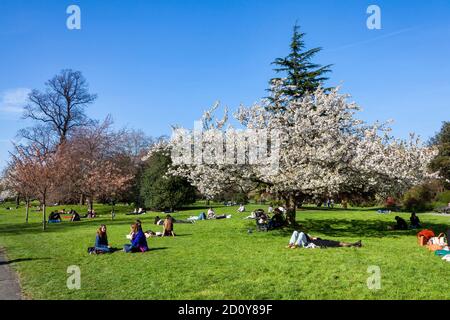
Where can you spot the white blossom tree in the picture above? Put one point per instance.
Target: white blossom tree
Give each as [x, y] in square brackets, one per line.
[322, 148]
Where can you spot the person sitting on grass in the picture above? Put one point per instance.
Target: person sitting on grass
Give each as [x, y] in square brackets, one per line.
[211, 214]
[303, 240]
[400, 225]
[75, 216]
[241, 208]
[101, 240]
[91, 214]
[168, 227]
[138, 240]
[277, 220]
[158, 221]
[415, 221]
[54, 217]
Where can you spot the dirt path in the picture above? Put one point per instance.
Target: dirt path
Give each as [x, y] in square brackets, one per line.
[9, 283]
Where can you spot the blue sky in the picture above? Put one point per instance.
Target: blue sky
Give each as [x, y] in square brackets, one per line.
[154, 63]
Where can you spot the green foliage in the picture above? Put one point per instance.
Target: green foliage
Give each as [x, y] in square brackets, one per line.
[160, 191]
[444, 197]
[441, 162]
[418, 198]
[301, 75]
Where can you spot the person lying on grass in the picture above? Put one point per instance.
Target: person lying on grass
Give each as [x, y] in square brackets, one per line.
[138, 240]
[303, 240]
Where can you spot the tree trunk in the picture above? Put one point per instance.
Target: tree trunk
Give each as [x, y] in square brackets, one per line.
[44, 218]
[291, 207]
[27, 203]
[113, 212]
[17, 200]
[91, 204]
[82, 200]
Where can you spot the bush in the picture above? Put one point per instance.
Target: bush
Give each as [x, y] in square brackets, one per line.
[443, 197]
[418, 199]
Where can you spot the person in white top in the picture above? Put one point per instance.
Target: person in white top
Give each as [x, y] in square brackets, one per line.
[241, 208]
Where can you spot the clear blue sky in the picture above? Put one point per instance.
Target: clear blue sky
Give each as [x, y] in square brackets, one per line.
[159, 62]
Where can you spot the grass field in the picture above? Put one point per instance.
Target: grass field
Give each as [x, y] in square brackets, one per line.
[222, 260]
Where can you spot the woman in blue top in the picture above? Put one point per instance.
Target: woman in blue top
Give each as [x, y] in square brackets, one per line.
[138, 240]
[101, 240]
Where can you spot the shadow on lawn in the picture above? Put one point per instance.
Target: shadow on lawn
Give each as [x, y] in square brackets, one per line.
[353, 228]
[21, 260]
[36, 227]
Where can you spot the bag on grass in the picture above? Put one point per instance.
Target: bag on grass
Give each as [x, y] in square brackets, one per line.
[442, 252]
[424, 235]
[439, 240]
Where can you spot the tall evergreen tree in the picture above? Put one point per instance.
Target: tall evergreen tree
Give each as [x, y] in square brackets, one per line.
[300, 74]
[164, 192]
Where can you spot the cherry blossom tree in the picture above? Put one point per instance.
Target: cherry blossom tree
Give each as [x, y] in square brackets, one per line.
[33, 173]
[322, 148]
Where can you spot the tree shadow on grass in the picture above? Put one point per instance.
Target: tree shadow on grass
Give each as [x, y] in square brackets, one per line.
[337, 228]
[36, 227]
[21, 260]
[325, 209]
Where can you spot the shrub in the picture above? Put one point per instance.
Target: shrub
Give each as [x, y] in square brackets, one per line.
[418, 199]
[443, 197]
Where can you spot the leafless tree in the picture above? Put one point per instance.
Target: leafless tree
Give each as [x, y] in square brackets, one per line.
[61, 107]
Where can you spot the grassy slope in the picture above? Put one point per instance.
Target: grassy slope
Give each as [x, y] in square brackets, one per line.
[221, 260]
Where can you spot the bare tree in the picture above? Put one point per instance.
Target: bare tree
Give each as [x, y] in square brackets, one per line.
[61, 108]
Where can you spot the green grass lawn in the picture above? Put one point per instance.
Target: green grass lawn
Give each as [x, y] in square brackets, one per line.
[221, 260]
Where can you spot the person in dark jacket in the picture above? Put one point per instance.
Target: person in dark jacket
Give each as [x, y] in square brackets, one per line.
[401, 224]
[415, 221]
[54, 217]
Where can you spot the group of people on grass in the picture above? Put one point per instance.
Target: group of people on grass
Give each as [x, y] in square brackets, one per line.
[137, 211]
[138, 238]
[402, 225]
[55, 216]
[272, 220]
[267, 222]
[210, 215]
